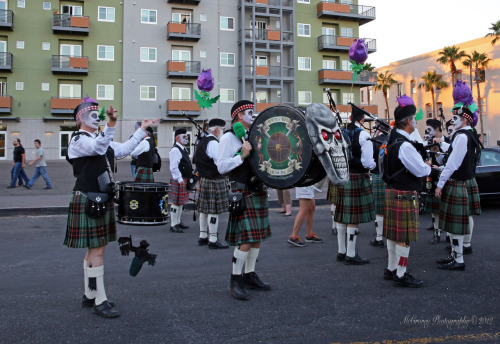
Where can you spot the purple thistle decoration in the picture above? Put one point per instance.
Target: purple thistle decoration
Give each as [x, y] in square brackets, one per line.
[475, 117]
[358, 52]
[404, 100]
[462, 93]
[206, 80]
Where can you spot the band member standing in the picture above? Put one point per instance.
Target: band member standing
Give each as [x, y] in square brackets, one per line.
[405, 169]
[92, 155]
[213, 195]
[378, 187]
[246, 231]
[458, 189]
[355, 199]
[143, 155]
[182, 171]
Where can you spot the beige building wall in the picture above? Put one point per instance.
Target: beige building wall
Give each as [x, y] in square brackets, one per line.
[414, 68]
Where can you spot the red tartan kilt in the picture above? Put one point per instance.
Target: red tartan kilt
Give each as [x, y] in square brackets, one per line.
[178, 194]
[457, 205]
[401, 216]
[144, 175]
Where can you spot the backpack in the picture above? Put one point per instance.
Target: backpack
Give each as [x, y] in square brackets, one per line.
[348, 135]
[156, 161]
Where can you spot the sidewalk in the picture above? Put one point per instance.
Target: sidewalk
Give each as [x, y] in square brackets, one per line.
[37, 201]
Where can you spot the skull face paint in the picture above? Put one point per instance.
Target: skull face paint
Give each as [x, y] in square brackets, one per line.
[91, 119]
[457, 122]
[183, 139]
[413, 123]
[430, 133]
[328, 143]
[248, 116]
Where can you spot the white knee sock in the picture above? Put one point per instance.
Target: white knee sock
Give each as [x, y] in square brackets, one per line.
[203, 225]
[98, 273]
[435, 224]
[239, 258]
[175, 215]
[379, 226]
[468, 237]
[333, 207]
[341, 232]
[457, 244]
[213, 224]
[352, 233]
[391, 255]
[402, 254]
[90, 294]
[251, 260]
[180, 213]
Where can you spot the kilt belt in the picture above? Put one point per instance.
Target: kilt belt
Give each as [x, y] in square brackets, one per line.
[355, 200]
[401, 215]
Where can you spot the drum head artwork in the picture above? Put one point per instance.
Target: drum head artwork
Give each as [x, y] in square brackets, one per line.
[282, 152]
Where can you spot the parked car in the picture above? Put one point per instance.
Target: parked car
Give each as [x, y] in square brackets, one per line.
[488, 173]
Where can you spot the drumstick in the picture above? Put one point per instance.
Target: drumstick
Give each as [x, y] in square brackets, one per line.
[239, 131]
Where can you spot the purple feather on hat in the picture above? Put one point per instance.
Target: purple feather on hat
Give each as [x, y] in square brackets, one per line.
[462, 93]
[405, 100]
[87, 99]
[475, 117]
[206, 80]
[358, 51]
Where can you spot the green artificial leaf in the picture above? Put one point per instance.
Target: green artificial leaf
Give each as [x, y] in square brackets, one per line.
[420, 115]
[102, 113]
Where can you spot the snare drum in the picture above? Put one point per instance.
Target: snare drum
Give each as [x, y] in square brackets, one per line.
[142, 203]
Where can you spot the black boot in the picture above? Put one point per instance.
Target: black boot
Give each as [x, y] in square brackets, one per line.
[253, 281]
[435, 239]
[237, 288]
[375, 242]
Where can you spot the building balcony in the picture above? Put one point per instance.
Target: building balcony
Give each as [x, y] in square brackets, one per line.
[70, 65]
[185, 2]
[183, 69]
[6, 62]
[334, 76]
[268, 35]
[63, 106]
[6, 105]
[259, 107]
[275, 3]
[342, 44]
[66, 23]
[267, 72]
[332, 10]
[6, 20]
[183, 31]
[177, 107]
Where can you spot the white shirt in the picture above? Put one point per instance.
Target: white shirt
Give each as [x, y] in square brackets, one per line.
[213, 150]
[366, 149]
[98, 144]
[175, 157]
[456, 157]
[411, 159]
[141, 148]
[229, 145]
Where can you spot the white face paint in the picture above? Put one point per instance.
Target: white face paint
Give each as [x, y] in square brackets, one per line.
[451, 130]
[430, 133]
[183, 139]
[413, 123]
[91, 119]
[248, 116]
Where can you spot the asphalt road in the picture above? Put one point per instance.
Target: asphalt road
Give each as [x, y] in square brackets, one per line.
[184, 298]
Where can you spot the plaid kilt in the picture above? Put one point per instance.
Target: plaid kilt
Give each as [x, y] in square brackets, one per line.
[253, 224]
[83, 231]
[401, 216]
[144, 174]
[432, 204]
[213, 196]
[378, 188]
[177, 194]
[355, 201]
[457, 205]
[332, 194]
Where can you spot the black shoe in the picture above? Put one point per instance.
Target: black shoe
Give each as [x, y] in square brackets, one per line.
[445, 260]
[202, 241]
[237, 288]
[182, 226]
[11, 187]
[253, 281]
[105, 310]
[467, 250]
[340, 257]
[86, 302]
[375, 242]
[453, 265]
[431, 228]
[216, 245]
[435, 239]
[408, 281]
[46, 188]
[176, 229]
[356, 260]
[26, 186]
[389, 275]
[447, 238]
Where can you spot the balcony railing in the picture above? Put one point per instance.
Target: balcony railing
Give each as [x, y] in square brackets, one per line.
[276, 72]
[70, 64]
[281, 3]
[66, 23]
[187, 2]
[334, 10]
[184, 31]
[175, 107]
[338, 43]
[5, 104]
[6, 62]
[6, 19]
[335, 76]
[268, 35]
[63, 106]
[183, 69]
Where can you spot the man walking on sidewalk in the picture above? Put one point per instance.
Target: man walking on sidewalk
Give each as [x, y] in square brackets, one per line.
[40, 167]
[17, 172]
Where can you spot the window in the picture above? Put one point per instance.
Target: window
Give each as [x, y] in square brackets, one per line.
[480, 75]
[70, 91]
[181, 17]
[203, 17]
[227, 59]
[400, 90]
[305, 97]
[303, 1]
[304, 30]
[329, 64]
[76, 11]
[325, 97]
[20, 44]
[19, 86]
[346, 65]
[489, 158]
[148, 92]
[148, 16]
[45, 86]
[181, 55]
[181, 93]
[304, 63]
[278, 59]
[106, 52]
[21, 3]
[227, 23]
[73, 50]
[347, 32]
[346, 2]
[45, 45]
[261, 97]
[362, 96]
[47, 6]
[347, 97]
[106, 92]
[261, 61]
[203, 54]
[413, 86]
[106, 14]
[148, 54]
[226, 95]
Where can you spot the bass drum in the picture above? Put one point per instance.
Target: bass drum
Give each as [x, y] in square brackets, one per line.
[282, 155]
[142, 203]
[378, 141]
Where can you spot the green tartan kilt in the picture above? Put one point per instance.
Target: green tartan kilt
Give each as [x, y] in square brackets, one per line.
[457, 205]
[355, 201]
[144, 175]
[253, 224]
[332, 193]
[83, 231]
[378, 187]
[432, 204]
[473, 194]
[401, 216]
[213, 196]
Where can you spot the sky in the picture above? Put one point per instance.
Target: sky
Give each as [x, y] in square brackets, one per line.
[405, 28]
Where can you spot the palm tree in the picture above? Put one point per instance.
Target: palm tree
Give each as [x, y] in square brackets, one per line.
[468, 63]
[384, 83]
[450, 55]
[370, 68]
[431, 82]
[495, 32]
